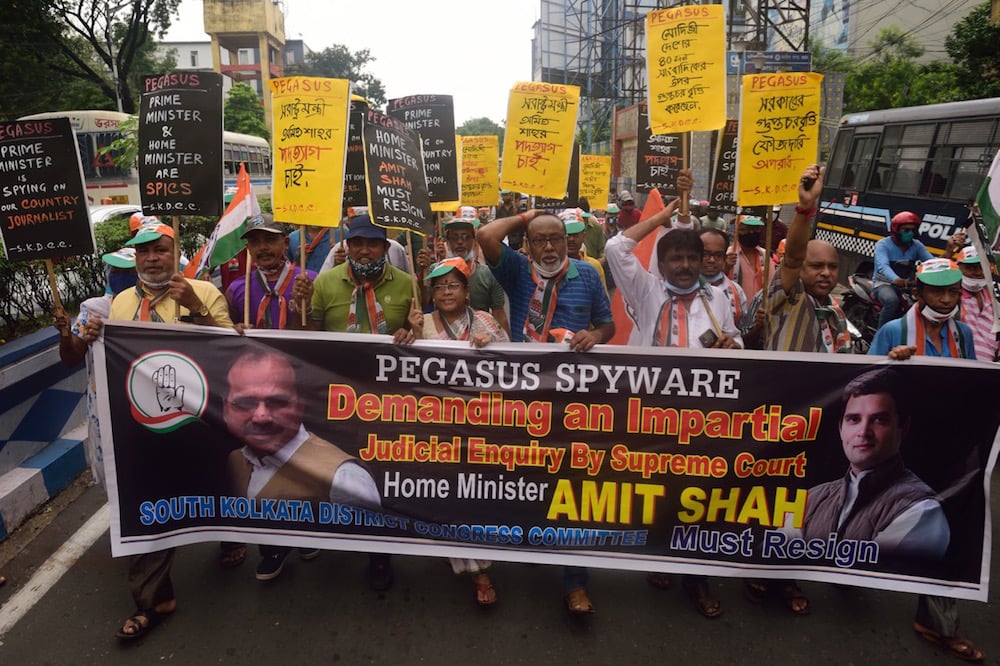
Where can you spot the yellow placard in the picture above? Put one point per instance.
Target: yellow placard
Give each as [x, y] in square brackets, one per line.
[479, 166]
[686, 62]
[538, 145]
[779, 135]
[595, 179]
[310, 120]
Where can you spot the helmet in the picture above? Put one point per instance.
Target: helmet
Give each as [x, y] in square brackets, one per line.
[903, 218]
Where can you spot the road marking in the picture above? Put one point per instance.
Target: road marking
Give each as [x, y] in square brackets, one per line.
[52, 570]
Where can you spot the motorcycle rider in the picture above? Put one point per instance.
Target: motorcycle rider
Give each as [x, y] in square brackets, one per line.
[900, 245]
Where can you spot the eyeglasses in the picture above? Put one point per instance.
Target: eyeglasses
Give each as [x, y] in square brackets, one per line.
[715, 255]
[448, 286]
[539, 243]
[271, 403]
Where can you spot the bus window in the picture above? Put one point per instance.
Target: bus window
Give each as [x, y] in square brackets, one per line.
[859, 162]
[835, 170]
[906, 150]
[957, 167]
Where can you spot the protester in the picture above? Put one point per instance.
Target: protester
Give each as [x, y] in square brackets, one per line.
[120, 275]
[454, 319]
[677, 311]
[593, 237]
[629, 214]
[396, 254]
[485, 293]
[161, 288]
[611, 221]
[273, 306]
[576, 229]
[280, 459]
[271, 281]
[317, 242]
[977, 304]
[930, 328]
[508, 208]
[711, 220]
[365, 294]
[714, 263]
[553, 298]
[900, 245]
[748, 270]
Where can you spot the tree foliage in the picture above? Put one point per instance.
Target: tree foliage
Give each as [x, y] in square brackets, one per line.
[337, 62]
[62, 54]
[974, 47]
[480, 127]
[243, 112]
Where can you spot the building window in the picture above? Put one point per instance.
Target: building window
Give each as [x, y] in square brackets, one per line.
[246, 57]
[194, 58]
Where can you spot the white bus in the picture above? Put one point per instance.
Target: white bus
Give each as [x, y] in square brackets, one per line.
[109, 184]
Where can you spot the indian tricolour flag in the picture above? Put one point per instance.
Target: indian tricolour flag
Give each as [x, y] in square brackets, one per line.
[986, 239]
[225, 242]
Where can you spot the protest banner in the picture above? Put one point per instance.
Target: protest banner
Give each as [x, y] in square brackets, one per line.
[539, 144]
[572, 195]
[433, 118]
[480, 170]
[652, 459]
[355, 189]
[43, 201]
[722, 196]
[310, 121]
[659, 158]
[779, 135]
[397, 191]
[180, 144]
[686, 62]
[595, 179]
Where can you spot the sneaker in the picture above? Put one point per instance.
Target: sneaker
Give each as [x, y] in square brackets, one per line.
[379, 573]
[270, 566]
[308, 554]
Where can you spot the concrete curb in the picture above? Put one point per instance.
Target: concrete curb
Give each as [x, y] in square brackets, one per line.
[40, 478]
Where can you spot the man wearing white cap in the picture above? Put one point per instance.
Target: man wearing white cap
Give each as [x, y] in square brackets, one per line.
[977, 304]
[931, 328]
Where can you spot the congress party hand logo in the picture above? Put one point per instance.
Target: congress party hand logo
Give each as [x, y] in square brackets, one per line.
[166, 390]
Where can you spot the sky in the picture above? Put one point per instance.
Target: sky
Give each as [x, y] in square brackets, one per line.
[472, 50]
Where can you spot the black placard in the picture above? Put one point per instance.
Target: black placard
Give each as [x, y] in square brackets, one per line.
[180, 144]
[396, 189]
[433, 118]
[43, 202]
[722, 196]
[355, 191]
[659, 158]
[572, 187]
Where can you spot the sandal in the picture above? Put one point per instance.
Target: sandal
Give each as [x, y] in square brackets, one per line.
[486, 594]
[660, 581]
[232, 557]
[704, 602]
[794, 599]
[956, 646]
[578, 603]
[143, 622]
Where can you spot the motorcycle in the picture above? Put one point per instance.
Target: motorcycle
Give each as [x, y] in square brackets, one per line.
[862, 308]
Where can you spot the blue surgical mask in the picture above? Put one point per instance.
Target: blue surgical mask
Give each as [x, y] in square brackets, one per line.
[120, 281]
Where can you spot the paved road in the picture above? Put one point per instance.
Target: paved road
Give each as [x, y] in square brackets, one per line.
[323, 612]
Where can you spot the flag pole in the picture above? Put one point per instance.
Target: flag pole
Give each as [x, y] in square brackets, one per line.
[246, 292]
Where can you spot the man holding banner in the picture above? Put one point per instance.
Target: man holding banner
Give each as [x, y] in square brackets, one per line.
[160, 293]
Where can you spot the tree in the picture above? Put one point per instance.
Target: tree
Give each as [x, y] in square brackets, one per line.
[244, 113]
[886, 78]
[337, 62]
[89, 41]
[825, 59]
[480, 127]
[974, 46]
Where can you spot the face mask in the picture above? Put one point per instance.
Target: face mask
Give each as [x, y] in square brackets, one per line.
[682, 292]
[973, 284]
[749, 240]
[905, 237]
[931, 314]
[365, 271]
[119, 282]
[544, 272]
